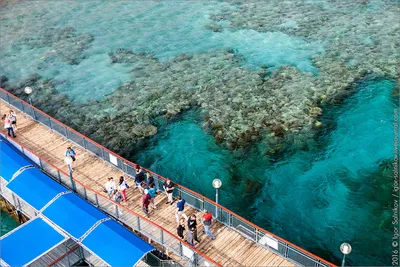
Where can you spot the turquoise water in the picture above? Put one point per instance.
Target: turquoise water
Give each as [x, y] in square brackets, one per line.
[142, 26]
[316, 199]
[6, 223]
[316, 193]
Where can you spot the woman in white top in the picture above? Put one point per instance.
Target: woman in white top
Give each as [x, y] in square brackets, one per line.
[110, 187]
[13, 118]
[122, 188]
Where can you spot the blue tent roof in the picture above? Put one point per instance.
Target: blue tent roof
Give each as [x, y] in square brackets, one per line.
[69, 212]
[110, 235]
[10, 161]
[35, 187]
[73, 214]
[29, 242]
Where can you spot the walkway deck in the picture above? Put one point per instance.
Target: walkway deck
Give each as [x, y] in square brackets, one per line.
[229, 248]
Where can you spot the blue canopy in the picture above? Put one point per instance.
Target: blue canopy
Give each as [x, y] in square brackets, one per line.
[35, 187]
[110, 235]
[73, 214]
[30, 241]
[10, 161]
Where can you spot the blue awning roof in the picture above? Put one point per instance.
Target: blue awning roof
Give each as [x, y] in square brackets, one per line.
[35, 187]
[10, 161]
[29, 242]
[73, 214]
[69, 214]
[110, 235]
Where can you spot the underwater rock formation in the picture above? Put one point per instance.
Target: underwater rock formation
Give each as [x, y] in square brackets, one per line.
[240, 106]
[358, 34]
[64, 43]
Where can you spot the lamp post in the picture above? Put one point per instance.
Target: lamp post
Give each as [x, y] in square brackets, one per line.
[216, 184]
[68, 160]
[28, 90]
[345, 248]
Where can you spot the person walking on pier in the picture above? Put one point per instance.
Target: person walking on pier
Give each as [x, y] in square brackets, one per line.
[207, 220]
[152, 192]
[122, 187]
[117, 196]
[169, 189]
[110, 187]
[13, 118]
[145, 202]
[7, 125]
[192, 225]
[70, 153]
[139, 179]
[180, 205]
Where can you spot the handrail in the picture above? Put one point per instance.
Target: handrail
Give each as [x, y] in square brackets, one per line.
[119, 205]
[64, 255]
[177, 185]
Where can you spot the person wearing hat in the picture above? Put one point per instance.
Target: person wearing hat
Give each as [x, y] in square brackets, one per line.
[207, 220]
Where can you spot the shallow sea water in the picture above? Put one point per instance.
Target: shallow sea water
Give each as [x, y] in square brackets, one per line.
[6, 223]
[316, 199]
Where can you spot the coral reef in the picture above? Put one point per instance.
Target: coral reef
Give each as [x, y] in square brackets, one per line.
[65, 44]
[240, 106]
[357, 33]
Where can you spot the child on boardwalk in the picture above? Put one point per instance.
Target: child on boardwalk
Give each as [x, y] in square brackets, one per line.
[117, 196]
[181, 228]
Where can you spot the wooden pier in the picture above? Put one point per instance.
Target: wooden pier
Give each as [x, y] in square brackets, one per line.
[230, 248]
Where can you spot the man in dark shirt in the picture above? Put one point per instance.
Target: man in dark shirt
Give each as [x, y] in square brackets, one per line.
[169, 189]
[192, 225]
[139, 179]
[150, 179]
[180, 206]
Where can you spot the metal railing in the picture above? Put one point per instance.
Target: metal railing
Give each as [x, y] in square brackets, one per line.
[253, 232]
[147, 228]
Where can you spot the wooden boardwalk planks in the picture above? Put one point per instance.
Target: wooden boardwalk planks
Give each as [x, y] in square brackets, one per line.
[229, 248]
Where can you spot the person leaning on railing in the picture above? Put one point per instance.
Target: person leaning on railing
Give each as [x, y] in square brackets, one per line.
[169, 189]
[139, 179]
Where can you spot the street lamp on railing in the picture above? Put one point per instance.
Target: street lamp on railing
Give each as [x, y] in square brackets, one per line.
[28, 90]
[216, 184]
[345, 248]
[68, 160]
